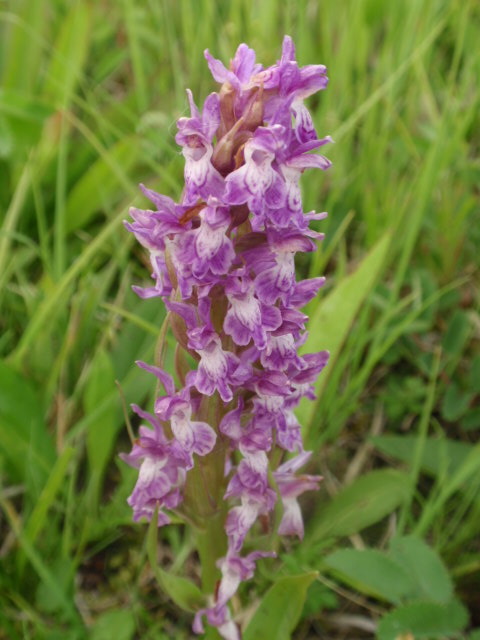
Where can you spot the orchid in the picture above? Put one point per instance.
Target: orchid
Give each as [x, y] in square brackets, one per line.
[223, 261]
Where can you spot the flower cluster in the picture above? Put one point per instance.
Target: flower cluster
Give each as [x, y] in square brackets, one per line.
[223, 261]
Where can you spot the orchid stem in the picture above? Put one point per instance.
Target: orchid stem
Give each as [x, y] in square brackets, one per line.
[211, 545]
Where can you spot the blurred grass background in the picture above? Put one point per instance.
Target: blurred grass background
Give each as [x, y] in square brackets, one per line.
[89, 95]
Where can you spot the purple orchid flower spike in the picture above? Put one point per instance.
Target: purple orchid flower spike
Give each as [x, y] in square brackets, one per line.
[225, 444]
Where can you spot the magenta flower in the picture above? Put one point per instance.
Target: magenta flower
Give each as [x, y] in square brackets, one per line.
[195, 136]
[247, 318]
[291, 486]
[223, 261]
[162, 466]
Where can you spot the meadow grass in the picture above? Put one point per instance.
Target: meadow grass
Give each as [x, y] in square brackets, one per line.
[89, 96]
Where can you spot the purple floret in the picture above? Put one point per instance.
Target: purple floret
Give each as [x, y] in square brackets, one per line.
[195, 136]
[162, 471]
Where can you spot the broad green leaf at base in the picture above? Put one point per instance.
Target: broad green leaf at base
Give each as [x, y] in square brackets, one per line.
[424, 565]
[369, 499]
[280, 610]
[423, 620]
[372, 572]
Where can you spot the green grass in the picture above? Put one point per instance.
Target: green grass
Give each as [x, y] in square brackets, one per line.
[89, 95]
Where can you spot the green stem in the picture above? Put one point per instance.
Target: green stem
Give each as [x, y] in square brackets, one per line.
[211, 545]
[204, 503]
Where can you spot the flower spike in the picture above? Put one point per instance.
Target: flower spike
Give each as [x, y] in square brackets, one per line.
[227, 446]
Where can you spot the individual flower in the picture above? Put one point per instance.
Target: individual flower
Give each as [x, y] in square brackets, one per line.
[256, 182]
[162, 469]
[291, 486]
[218, 369]
[247, 318]
[212, 250]
[195, 136]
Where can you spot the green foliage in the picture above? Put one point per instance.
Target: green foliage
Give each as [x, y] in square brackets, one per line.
[38, 520]
[361, 504]
[440, 456]
[70, 52]
[424, 620]
[101, 184]
[371, 572]
[333, 317]
[425, 567]
[183, 592]
[319, 597]
[101, 431]
[280, 609]
[410, 575]
[114, 624]
[409, 571]
[26, 447]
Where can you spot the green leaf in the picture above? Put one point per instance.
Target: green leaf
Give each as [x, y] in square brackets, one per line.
[23, 58]
[7, 139]
[38, 520]
[319, 597]
[455, 402]
[280, 610]
[114, 624]
[439, 456]
[101, 185]
[24, 107]
[471, 420]
[474, 375]
[69, 53]
[134, 335]
[183, 592]
[56, 578]
[423, 620]
[101, 432]
[371, 572]
[425, 567]
[457, 333]
[26, 446]
[330, 323]
[366, 501]
[50, 596]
